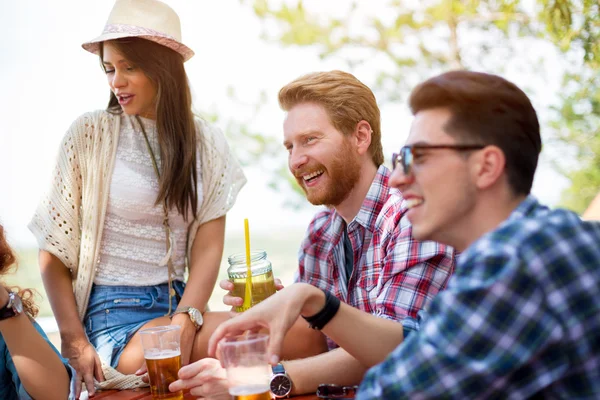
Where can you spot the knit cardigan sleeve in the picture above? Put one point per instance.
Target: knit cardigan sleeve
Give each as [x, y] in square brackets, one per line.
[61, 217]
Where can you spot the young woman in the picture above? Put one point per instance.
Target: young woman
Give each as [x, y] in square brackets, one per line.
[139, 195]
[30, 367]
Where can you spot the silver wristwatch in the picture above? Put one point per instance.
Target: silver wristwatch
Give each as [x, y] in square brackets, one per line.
[281, 384]
[194, 313]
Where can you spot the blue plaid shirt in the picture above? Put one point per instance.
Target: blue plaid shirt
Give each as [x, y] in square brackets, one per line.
[519, 318]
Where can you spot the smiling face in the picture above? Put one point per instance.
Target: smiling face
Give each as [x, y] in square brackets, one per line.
[321, 158]
[440, 192]
[135, 92]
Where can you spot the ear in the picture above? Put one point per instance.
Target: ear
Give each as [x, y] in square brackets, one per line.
[489, 167]
[363, 136]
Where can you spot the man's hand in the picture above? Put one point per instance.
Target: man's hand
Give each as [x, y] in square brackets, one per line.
[232, 301]
[205, 378]
[83, 357]
[277, 313]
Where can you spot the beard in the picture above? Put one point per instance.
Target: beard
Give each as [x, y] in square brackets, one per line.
[342, 175]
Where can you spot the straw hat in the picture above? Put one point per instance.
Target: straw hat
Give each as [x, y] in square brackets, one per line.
[147, 19]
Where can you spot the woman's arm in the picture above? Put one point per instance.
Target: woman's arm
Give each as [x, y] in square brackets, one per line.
[205, 260]
[74, 343]
[39, 368]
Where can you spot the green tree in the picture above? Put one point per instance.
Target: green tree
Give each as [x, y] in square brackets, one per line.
[412, 41]
[417, 39]
[575, 28]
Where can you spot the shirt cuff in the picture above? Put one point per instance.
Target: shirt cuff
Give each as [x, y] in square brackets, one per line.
[410, 324]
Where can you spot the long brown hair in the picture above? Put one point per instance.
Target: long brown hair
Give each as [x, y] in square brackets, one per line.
[177, 140]
[7, 260]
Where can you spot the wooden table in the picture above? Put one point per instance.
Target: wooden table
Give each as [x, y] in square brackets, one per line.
[144, 394]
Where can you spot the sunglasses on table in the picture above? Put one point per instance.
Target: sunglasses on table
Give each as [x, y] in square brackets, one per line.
[330, 391]
[406, 155]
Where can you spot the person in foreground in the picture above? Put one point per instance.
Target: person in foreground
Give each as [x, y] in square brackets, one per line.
[30, 366]
[520, 317]
[360, 248]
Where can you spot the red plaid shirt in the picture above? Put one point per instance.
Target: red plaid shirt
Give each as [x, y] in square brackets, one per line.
[394, 276]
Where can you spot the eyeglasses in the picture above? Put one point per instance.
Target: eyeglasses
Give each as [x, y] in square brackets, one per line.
[330, 391]
[406, 155]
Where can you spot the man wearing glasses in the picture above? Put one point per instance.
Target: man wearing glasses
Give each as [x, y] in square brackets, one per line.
[360, 247]
[520, 317]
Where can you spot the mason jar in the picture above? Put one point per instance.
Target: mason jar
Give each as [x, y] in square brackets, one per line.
[263, 283]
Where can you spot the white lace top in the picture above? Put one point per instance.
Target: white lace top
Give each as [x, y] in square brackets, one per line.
[70, 218]
[134, 242]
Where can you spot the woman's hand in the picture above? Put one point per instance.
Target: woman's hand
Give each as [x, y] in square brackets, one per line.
[83, 357]
[232, 301]
[188, 333]
[205, 378]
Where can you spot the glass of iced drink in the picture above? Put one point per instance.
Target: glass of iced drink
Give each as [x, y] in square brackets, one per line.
[263, 284]
[248, 371]
[163, 359]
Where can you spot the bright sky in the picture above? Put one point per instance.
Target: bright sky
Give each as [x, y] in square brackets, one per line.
[48, 80]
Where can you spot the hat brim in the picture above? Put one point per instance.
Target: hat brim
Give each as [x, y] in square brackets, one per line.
[93, 46]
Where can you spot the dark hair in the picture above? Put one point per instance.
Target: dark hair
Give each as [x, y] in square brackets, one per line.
[487, 109]
[174, 119]
[346, 100]
[7, 260]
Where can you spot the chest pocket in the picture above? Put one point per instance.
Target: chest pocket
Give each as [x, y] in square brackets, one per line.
[368, 277]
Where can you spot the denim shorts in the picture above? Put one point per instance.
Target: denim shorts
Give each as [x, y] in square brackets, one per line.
[116, 313]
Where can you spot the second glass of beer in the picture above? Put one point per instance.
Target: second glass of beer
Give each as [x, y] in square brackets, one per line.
[163, 359]
[248, 371]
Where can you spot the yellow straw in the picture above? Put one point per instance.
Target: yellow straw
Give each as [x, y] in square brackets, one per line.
[248, 295]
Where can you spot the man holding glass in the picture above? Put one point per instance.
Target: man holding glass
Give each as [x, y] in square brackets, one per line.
[521, 315]
[360, 248]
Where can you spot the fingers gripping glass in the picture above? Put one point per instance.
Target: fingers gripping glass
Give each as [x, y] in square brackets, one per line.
[406, 155]
[329, 391]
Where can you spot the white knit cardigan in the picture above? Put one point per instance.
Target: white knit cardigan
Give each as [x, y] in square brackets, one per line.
[69, 220]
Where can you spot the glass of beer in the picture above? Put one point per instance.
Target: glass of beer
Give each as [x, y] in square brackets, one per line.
[263, 284]
[248, 371]
[163, 359]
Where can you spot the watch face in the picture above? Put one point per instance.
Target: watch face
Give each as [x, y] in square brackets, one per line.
[18, 305]
[281, 385]
[196, 316]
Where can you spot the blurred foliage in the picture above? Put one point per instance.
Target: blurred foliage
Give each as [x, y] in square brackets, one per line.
[254, 148]
[574, 26]
[414, 40]
[251, 145]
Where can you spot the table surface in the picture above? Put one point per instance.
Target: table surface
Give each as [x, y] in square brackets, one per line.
[144, 394]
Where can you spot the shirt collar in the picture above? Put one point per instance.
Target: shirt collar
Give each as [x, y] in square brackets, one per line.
[526, 208]
[376, 197]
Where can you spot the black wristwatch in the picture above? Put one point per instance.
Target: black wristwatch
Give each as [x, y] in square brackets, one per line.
[281, 384]
[13, 308]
